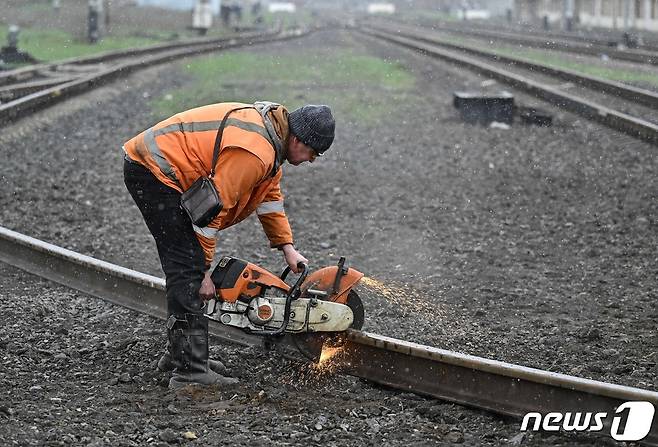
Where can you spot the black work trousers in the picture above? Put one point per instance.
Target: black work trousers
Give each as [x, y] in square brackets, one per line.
[181, 255]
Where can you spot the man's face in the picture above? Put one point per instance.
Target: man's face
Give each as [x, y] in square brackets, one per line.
[298, 152]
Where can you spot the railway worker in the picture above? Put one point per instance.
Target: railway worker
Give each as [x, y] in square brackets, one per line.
[163, 161]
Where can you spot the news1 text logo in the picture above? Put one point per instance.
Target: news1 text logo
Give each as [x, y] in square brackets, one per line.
[631, 421]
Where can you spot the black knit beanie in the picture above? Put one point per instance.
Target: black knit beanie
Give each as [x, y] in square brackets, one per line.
[314, 126]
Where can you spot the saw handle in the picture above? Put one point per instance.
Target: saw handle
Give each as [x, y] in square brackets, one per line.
[295, 291]
[293, 294]
[300, 265]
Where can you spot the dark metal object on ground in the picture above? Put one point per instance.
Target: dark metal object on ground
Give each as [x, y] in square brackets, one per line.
[10, 54]
[480, 108]
[534, 115]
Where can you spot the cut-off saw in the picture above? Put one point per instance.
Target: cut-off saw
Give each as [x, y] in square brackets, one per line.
[315, 309]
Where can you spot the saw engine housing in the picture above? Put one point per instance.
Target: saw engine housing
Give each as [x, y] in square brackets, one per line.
[260, 302]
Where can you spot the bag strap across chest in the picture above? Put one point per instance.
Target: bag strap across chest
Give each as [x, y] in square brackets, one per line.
[263, 107]
[218, 139]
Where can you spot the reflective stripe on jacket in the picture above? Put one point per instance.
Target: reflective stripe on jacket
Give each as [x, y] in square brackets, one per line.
[179, 150]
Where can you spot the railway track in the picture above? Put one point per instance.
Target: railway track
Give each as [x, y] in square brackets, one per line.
[627, 92]
[498, 387]
[593, 38]
[523, 76]
[25, 90]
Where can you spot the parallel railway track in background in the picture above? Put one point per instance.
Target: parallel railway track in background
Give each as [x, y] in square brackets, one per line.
[646, 97]
[494, 386]
[601, 38]
[625, 107]
[595, 38]
[27, 89]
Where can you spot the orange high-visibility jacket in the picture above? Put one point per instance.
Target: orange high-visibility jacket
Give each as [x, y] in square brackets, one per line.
[179, 150]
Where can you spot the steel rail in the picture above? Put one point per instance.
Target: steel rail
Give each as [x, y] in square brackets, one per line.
[499, 387]
[635, 127]
[618, 89]
[15, 91]
[637, 56]
[600, 40]
[27, 104]
[119, 285]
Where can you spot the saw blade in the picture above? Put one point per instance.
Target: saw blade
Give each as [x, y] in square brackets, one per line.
[310, 344]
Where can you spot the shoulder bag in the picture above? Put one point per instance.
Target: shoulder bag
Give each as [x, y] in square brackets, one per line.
[201, 201]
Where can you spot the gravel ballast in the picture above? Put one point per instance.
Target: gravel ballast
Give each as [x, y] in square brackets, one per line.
[528, 245]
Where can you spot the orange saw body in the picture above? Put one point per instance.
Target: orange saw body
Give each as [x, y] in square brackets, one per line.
[263, 303]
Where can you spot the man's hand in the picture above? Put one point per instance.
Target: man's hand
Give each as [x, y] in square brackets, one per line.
[293, 257]
[207, 290]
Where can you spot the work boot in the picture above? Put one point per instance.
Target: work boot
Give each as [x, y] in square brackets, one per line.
[166, 363]
[188, 346]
